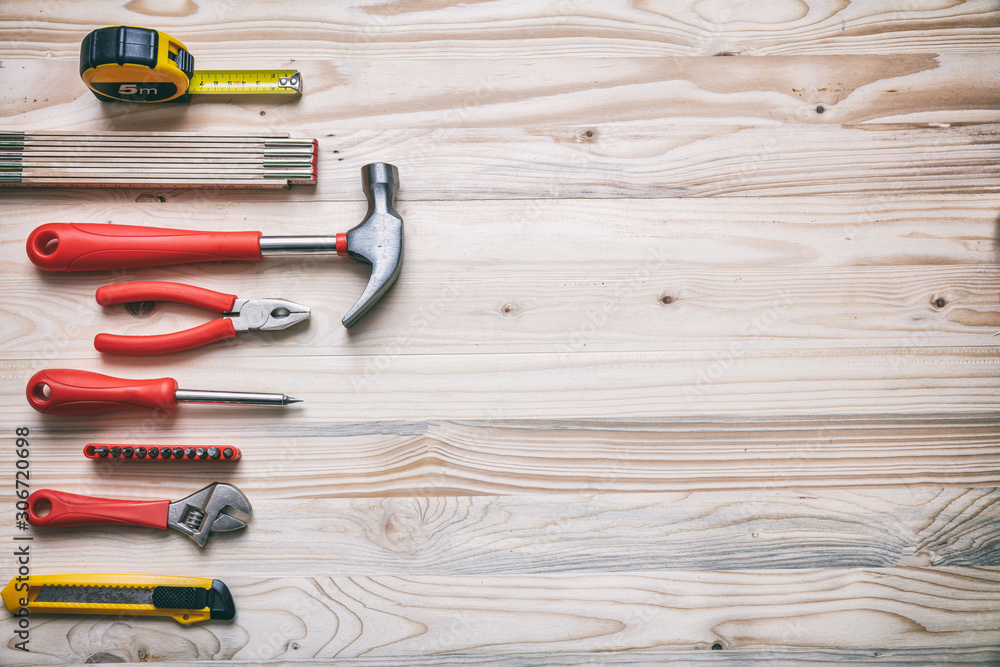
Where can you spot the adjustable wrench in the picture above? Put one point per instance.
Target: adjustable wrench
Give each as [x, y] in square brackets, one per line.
[218, 508]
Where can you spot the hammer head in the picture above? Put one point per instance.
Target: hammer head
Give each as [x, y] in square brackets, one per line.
[378, 240]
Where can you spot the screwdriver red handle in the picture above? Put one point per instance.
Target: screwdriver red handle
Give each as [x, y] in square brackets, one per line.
[62, 391]
[63, 246]
[48, 508]
[178, 341]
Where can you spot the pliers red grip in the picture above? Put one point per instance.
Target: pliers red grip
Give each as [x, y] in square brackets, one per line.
[238, 316]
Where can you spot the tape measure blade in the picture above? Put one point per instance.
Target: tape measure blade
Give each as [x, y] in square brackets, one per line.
[246, 82]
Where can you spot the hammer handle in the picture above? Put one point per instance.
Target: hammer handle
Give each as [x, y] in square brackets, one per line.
[62, 246]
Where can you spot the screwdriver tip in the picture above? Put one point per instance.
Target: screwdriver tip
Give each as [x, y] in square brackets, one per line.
[289, 399]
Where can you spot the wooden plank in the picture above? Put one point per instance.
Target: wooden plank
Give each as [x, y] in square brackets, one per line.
[599, 385]
[693, 358]
[496, 30]
[562, 314]
[766, 528]
[401, 616]
[778, 273]
[317, 452]
[521, 92]
[774, 657]
[648, 160]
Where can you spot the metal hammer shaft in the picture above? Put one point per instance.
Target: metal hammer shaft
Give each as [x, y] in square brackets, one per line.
[298, 245]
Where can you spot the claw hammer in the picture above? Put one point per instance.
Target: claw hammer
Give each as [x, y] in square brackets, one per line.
[377, 240]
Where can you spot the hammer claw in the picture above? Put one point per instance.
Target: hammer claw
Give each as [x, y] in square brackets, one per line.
[378, 240]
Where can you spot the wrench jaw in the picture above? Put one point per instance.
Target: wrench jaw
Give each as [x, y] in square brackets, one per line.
[218, 508]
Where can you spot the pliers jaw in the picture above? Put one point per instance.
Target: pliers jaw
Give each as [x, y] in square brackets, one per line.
[266, 314]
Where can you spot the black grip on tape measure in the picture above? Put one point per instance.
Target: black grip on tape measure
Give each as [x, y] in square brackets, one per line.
[185, 62]
[127, 44]
[119, 44]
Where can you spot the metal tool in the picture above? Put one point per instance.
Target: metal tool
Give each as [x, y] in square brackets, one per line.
[218, 508]
[134, 64]
[102, 452]
[378, 241]
[185, 599]
[64, 391]
[238, 316]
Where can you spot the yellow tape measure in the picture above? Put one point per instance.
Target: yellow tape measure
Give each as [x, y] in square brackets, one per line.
[133, 64]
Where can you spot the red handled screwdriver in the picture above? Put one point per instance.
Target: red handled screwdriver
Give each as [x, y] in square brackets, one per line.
[62, 391]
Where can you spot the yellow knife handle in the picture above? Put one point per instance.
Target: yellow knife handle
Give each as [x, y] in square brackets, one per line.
[185, 599]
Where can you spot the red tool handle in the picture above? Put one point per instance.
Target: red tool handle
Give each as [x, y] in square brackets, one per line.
[70, 509]
[178, 341]
[63, 246]
[112, 295]
[151, 290]
[61, 391]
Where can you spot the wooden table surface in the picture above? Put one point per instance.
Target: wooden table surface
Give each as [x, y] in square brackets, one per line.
[694, 353]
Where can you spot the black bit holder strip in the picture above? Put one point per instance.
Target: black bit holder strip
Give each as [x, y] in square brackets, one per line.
[103, 452]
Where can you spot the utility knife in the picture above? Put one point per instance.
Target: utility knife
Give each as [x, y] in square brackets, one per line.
[185, 599]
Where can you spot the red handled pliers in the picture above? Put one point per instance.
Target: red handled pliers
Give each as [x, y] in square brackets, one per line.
[238, 316]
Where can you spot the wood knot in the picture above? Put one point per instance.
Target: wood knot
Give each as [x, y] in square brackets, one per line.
[588, 135]
[141, 308]
[667, 299]
[149, 198]
[508, 310]
[402, 526]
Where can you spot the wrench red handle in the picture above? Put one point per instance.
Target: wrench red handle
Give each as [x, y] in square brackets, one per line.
[70, 509]
[178, 341]
[63, 246]
[61, 391]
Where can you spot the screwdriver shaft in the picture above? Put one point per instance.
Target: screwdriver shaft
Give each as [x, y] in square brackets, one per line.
[241, 397]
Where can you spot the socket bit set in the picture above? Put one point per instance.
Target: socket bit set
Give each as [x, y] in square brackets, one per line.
[102, 452]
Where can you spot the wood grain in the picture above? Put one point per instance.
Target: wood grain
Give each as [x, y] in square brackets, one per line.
[599, 385]
[693, 358]
[525, 92]
[295, 459]
[767, 527]
[776, 657]
[548, 29]
[518, 276]
[400, 616]
[651, 160]
[721, 310]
